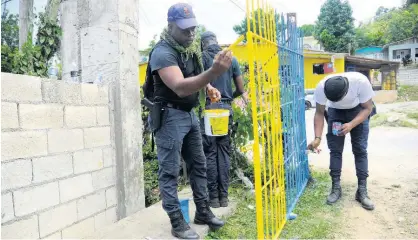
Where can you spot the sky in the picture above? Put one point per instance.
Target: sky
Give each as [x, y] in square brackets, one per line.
[220, 16]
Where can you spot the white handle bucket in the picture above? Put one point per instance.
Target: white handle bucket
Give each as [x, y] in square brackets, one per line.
[216, 122]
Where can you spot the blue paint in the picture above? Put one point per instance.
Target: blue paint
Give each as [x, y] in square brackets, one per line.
[292, 97]
[184, 206]
[368, 50]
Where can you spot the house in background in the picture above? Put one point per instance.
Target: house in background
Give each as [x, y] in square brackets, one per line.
[373, 52]
[397, 50]
[310, 43]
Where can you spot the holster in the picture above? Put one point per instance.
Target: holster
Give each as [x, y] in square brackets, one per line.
[156, 110]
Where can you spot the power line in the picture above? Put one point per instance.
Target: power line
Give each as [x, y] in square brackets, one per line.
[238, 6]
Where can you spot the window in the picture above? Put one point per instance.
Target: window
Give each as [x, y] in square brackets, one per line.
[318, 68]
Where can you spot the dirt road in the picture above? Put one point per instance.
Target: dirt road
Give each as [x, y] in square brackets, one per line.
[393, 183]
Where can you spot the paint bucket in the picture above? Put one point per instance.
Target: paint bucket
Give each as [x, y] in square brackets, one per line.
[184, 206]
[216, 122]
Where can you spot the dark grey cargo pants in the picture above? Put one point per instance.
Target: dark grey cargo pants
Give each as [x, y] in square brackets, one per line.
[359, 139]
[218, 151]
[180, 134]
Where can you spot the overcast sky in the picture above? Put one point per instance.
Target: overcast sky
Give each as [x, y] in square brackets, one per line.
[220, 16]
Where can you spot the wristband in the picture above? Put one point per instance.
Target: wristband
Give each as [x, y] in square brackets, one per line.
[318, 138]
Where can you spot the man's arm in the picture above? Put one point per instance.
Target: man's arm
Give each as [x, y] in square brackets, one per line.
[363, 114]
[174, 79]
[319, 120]
[239, 86]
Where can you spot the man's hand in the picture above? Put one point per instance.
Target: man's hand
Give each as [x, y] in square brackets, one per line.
[314, 144]
[222, 62]
[346, 128]
[214, 94]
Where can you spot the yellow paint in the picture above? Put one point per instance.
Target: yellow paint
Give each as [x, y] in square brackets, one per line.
[142, 73]
[270, 196]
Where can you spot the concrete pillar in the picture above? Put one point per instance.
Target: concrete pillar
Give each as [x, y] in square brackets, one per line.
[390, 51]
[25, 20]
[109, 48]
[70, 41]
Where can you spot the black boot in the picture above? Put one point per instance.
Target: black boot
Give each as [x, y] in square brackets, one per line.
[205, 216]
[214, 203]
[362, 197]
[224, 201]
[335, 194]
[179, 227]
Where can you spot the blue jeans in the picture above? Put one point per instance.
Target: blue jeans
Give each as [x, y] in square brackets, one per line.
[359, 139]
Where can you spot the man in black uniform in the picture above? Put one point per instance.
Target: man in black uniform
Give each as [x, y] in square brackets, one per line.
[218, 149]
[176, 63]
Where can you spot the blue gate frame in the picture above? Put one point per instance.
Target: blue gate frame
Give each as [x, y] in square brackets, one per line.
[292, 97]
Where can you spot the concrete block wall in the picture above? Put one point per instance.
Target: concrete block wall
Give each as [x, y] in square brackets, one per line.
[408, 76]
[57, 159]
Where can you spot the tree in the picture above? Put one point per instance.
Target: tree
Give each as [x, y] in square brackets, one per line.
[335, 26]
[308, 29]
[381, 11]
[241, 29]
[10, 30]
[410, 2]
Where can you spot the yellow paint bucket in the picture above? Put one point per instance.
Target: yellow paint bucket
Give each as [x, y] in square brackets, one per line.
[216, 122]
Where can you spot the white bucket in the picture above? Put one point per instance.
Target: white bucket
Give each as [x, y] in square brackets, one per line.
[216, 122]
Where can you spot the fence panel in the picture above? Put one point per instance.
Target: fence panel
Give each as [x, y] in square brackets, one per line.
[293, 109]
[265, 102]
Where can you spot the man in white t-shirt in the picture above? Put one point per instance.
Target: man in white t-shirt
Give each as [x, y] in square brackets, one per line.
[348, 97]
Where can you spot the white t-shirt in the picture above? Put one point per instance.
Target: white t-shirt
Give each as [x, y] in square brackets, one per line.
[359, 91]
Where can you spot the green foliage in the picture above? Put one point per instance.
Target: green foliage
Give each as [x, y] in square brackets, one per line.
[10, 30]
[410, 2]
[151, 182]
[7, 55]
[308, 29]
[335, 26]
[389, 26]
[241, 29]
[32, 59]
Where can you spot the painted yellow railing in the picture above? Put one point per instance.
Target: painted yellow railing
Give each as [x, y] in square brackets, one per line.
[263, 63]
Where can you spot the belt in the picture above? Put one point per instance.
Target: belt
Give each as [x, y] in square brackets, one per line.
[229, 102]
[178, 107]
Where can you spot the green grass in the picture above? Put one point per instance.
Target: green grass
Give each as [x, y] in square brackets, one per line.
[315, 218]
[413, 115]
[408, 93]
[381, 119]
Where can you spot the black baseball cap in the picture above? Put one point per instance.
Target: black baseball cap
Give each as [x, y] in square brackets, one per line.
[336, 88]
[182, 14]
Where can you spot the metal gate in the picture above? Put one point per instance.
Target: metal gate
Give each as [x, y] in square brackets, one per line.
[265, 102]
[292, 99]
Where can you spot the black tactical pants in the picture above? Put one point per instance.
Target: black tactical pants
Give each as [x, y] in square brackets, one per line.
[218, 151]
[180, 134]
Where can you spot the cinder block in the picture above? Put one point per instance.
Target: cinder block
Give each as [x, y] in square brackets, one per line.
[79, 230]
[96, 137]
[103, 178]
[75, 187]
[20, 88]
[111, 198]
[108, 157]
[80, 116]
[35, 199]
[111, 216]
[23, 229]
[93, 94]
[102, 116]
[52, 167]
[65, 140]
[57, 218]
[100, 220]
[39, 116]
[7, 211]
[16, 174]
[90, 205]
[9, 115]
[56, 235]
[23, 144]
[88, 160]
[61, 92]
